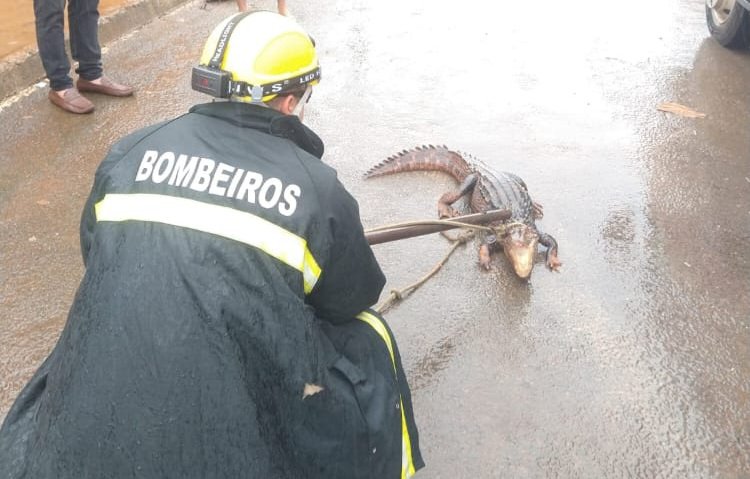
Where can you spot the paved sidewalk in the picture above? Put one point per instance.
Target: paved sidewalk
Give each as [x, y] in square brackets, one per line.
[22, 70]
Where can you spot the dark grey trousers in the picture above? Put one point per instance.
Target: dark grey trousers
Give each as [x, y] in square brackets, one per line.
[83, 19]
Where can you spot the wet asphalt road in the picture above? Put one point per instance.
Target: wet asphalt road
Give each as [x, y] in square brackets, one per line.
[633, 361]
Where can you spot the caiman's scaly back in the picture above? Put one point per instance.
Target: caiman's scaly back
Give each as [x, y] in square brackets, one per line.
[424, 158]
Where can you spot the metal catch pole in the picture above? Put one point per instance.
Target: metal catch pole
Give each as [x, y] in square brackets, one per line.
[410, 230]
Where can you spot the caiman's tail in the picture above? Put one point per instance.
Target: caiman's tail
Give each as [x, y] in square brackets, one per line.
[423, 158]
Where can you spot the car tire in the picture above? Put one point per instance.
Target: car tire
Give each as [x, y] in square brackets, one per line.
[729, 23]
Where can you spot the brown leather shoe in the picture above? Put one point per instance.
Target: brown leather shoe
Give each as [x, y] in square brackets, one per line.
[71, 101]
[107, 87]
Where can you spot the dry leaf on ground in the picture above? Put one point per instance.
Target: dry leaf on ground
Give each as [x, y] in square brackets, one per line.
[682, 110]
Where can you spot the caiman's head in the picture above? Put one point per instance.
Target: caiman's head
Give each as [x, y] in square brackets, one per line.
[519, 245]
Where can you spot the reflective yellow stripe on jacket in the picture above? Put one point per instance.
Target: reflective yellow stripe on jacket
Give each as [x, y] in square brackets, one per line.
[407, 465]
[219, 220]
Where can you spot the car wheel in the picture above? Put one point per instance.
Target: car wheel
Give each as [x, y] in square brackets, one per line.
[728, 22]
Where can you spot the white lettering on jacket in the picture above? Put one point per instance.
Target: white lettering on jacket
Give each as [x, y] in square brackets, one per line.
[219, 179]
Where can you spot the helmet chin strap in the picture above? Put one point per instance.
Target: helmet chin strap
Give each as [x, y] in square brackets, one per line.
[302, 101]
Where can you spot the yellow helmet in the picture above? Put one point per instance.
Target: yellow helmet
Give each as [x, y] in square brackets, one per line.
[255, 56]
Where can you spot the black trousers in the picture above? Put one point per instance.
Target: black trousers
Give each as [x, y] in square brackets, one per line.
[83, 19]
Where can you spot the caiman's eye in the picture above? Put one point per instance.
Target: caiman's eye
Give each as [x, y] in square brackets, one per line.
[491, 239]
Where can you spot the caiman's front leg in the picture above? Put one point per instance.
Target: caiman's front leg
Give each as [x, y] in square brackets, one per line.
[485, 251]
[553, 262]
[445, 210]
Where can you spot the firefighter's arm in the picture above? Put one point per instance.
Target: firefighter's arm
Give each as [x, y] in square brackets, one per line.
[351, 279]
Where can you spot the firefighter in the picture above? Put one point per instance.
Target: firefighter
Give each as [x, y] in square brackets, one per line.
[222, 327]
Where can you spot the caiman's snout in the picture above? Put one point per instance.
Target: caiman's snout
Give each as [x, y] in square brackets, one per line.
[519, 246]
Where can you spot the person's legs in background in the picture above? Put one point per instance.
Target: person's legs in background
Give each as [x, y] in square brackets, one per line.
[280, 5]
[83, 19]
[50, 38]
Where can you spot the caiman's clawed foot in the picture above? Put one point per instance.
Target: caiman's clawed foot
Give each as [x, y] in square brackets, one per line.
[538, 210]
[553, 263]
[484, 257]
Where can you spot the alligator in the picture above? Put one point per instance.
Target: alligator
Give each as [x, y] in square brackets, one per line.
[488, 189]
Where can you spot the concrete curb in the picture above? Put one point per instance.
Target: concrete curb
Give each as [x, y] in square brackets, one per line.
[22, 70]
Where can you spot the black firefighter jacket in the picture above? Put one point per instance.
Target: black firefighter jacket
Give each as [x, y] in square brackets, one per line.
[224, 266]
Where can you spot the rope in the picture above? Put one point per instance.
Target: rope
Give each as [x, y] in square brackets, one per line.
[468, 233]
[396, 296]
